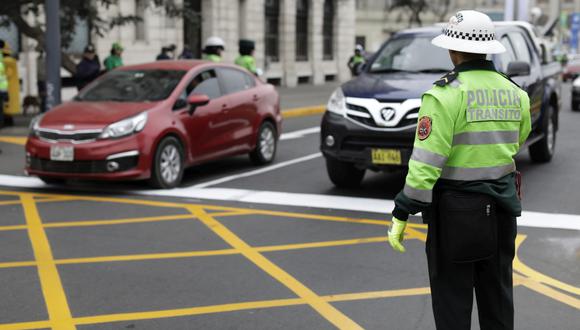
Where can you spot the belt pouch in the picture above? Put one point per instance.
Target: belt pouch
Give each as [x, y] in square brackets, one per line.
[468, 226]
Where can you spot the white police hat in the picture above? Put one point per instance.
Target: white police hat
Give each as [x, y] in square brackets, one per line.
[469, 31]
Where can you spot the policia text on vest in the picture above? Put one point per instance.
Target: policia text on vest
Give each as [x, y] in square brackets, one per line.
[494, 104]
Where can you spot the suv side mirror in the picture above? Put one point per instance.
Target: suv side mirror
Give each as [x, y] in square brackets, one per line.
[518, 68]
[196, 100]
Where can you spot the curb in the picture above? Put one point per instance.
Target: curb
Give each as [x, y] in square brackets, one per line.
[304, 111]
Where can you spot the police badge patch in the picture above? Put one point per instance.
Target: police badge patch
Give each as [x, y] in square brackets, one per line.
[424, 127]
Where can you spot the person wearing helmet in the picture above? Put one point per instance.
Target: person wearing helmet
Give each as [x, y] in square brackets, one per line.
[356, 61]
[462, 177]
[214, 46]
[114, 60]
[3, 84]
[246, 59]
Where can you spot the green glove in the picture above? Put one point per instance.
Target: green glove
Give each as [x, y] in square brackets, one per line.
[396, 234]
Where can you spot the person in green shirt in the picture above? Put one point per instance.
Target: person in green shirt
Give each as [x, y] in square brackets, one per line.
[3, 85]
[246, 59]
[214, 46]
[114, 60]
[462, 177]
[356, 61]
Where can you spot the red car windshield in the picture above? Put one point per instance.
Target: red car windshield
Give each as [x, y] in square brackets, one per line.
[132, 86]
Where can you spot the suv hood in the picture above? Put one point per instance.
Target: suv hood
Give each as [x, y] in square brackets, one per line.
[391, 87]
[84, 115]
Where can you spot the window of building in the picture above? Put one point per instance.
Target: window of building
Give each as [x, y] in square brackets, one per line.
[328, 30]
[272, 30]
[140, 6]
[302, 30]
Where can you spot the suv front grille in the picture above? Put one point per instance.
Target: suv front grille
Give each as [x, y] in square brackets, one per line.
[362, 115]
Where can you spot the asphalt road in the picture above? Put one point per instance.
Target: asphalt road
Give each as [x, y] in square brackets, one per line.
[244, 247]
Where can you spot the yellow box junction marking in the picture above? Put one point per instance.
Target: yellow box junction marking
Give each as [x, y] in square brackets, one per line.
[304, 111]
[328, 311]
[54, 295]
[535, 281]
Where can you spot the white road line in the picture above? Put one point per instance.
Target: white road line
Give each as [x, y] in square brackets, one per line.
[373, 205]
[300, 133]
[259, 171]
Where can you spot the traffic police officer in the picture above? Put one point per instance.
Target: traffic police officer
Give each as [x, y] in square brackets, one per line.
[214, 46]
[462, 176]
[246, 59]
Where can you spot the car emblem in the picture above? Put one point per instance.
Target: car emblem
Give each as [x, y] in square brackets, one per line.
[388, 114]
[69, 127]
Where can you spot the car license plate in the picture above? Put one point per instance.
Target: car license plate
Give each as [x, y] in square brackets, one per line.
[386, 156]
[62, 153]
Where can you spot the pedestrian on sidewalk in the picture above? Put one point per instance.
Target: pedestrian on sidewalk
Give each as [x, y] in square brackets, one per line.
[462, 176]
[114, 60]
[41, 79]
[3, 86]
[246, 59]
[356, 61]
[214, 46]
[88, 69]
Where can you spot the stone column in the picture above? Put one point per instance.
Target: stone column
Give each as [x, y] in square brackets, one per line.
[315, 39]
[345, 32]
[288, 42]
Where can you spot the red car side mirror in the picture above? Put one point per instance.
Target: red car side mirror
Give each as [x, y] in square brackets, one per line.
[196, 100]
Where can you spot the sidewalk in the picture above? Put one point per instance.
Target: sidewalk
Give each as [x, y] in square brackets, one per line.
[306, 99]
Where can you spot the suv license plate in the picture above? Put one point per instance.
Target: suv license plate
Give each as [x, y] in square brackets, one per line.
[62, 153]
[386, 156]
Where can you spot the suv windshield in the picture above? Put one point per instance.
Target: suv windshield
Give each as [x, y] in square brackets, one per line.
[133, 86]
[411, 54]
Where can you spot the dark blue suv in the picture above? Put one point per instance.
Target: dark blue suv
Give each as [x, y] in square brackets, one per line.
[370, 121]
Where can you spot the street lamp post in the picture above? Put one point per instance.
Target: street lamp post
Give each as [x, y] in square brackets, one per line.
[52, 47]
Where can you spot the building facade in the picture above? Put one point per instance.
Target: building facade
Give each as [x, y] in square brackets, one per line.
[297, 41]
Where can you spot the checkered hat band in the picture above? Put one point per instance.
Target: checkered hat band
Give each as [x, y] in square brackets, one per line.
[469, 36]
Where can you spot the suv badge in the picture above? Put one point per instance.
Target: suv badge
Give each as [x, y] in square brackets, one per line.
[387, 114]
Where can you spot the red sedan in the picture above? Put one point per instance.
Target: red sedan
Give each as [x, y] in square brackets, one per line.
[151, 121]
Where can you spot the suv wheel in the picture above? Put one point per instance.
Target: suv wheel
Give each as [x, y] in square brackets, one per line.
[344, 174]
[167, 168]
[265, 150]
[543, 150]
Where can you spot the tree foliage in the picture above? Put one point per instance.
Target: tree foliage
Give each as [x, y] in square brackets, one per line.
[71, 11]
[417, 7]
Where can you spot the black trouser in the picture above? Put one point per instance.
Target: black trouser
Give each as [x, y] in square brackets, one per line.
[471, 245]
[3, 100]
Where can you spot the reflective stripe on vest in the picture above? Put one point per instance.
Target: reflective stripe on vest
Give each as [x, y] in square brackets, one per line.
[421, 195]
[477, 173]
[487, 137]
[428, 157]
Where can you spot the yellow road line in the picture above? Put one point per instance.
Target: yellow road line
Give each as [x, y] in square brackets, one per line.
[26, 325]
[248, 305]
[231, 213]
[16, 264]
[10, 203]
[303, 111]
[552, 293]
[117, 221]
[203, 253]
[138, 257]
[13, 227]
[52, 289]
[13, 139]
[328, 311]
[537, 276]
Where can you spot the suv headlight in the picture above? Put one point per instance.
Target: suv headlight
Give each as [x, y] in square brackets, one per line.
[337, 102]
[34, 125]
[125, 127]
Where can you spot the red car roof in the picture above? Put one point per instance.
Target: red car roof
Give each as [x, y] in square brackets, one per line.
[166, 65]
